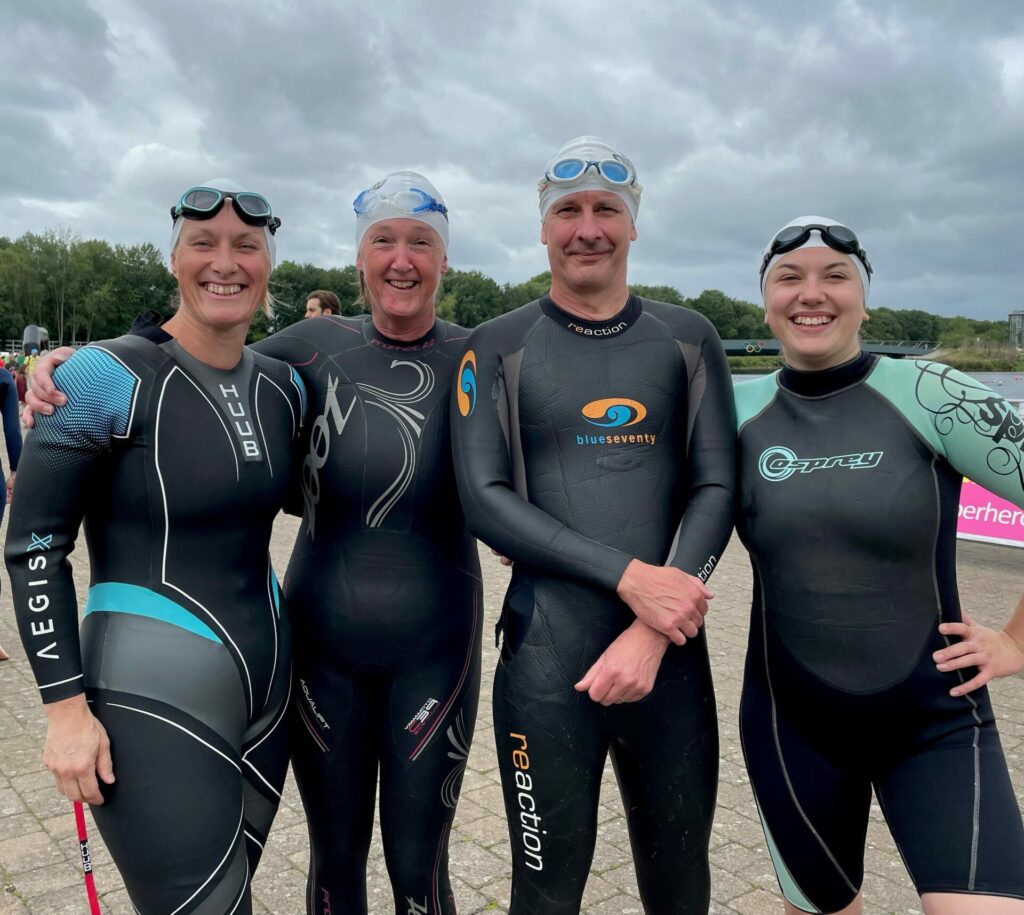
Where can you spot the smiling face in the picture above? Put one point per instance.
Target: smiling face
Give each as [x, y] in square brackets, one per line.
[401, 262]
[814, 304]
[588, 236]
[222, 267]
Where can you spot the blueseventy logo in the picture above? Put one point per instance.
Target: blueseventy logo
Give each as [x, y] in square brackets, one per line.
[779, 463]
[465, 395]
[612, 412]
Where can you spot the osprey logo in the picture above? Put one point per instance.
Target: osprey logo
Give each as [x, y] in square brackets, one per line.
[779, 463]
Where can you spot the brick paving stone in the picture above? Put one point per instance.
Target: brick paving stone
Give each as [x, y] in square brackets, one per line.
[37, 839]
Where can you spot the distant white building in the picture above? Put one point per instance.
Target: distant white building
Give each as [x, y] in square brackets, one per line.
[1017, 329]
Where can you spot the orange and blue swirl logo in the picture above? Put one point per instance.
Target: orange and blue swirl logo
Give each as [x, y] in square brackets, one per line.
[613, 412]
[465, 395]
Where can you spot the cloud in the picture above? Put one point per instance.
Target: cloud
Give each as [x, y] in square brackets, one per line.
[904, 120]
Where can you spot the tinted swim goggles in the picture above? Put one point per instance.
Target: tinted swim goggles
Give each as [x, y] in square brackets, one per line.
[206, 202]
[410, 200]
[617, 171]
[838, 238]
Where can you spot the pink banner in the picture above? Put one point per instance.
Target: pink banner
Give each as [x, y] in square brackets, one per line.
[984, 516]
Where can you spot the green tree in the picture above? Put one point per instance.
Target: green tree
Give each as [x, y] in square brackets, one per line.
[521, 293]
[477, 297]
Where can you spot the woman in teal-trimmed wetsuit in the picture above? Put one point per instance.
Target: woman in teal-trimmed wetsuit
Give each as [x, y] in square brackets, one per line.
[860, 672]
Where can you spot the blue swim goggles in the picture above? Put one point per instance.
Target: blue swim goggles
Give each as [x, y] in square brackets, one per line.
[617, 171]
[206, 202]
[411, 200]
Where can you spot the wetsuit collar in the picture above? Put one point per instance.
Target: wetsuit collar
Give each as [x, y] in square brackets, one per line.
[593, 329]
[148, 325]
[375, 338]
[827, 381]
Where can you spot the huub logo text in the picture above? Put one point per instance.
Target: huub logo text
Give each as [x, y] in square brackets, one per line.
[243, 426]
[779, 463]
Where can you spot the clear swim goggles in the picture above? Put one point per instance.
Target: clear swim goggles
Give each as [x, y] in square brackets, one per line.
[837, 237]
[206, 202]
[616, 171]
[410, 200]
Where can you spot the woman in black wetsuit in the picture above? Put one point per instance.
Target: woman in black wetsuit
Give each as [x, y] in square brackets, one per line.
[167, 713]
[863, 672]
[384, 581]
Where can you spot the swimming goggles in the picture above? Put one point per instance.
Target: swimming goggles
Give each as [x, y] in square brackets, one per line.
[206, 202]
[617, 171]
[839, 238]
[410, 200]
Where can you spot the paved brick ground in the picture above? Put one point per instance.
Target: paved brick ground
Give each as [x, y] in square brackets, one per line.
[39, 852]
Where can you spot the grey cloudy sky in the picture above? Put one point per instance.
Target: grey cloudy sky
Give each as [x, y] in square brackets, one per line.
[904, 119]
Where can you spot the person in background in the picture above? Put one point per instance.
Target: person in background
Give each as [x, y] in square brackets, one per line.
[322, 302]
[11, 393]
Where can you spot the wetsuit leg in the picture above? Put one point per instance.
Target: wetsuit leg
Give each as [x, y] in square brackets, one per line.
[814, 810]
[424, 748]
[175, 709]
[665, 752]
[265, 750]
[551, 753]
[334, 757]
[173, 820]
[951, 806]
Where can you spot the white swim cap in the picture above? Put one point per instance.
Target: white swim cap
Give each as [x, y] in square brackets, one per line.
[227, 187]
[815, 240]
[593, 153]
[401, 195]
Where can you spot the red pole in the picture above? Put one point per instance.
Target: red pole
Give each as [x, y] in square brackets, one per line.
[83, 845]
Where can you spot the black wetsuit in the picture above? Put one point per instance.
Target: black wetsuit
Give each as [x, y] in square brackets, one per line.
[385, 595]
[850, 483]
[12, 428]
[179, 470]
[578, 447]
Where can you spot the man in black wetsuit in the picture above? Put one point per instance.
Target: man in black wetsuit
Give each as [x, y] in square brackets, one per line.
[594, 445]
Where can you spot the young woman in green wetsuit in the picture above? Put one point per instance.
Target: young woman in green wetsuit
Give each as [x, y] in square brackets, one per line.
[863, 671]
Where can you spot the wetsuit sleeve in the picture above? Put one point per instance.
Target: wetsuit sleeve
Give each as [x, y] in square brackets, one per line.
[12, 422]
[62, 457]
[290, 344]
[496, 509]
[978, 432]
[707, 522]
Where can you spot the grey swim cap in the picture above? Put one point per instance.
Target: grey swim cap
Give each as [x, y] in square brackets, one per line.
[226, 186]
[401, 195]
[814, 240]
[589, 149]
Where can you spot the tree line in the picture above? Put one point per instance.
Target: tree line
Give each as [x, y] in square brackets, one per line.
[83, 290]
